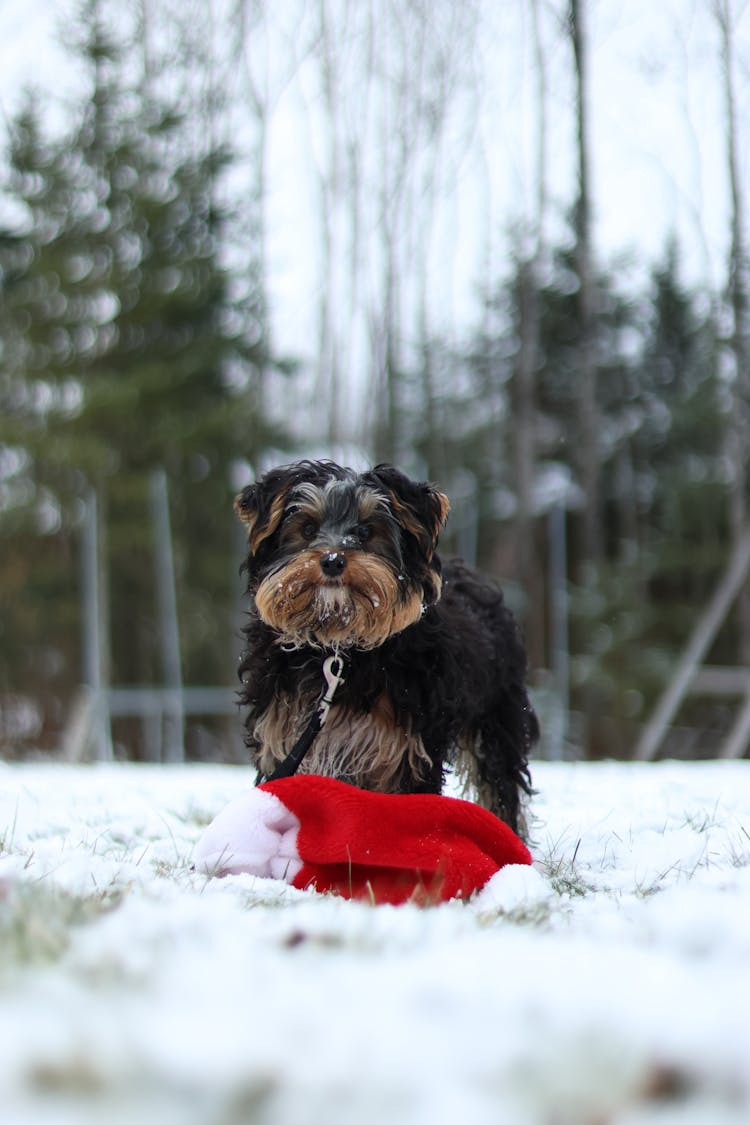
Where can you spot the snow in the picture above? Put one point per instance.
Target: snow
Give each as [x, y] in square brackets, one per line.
[608, 983]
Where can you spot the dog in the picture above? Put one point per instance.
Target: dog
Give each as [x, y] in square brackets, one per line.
[430, 668]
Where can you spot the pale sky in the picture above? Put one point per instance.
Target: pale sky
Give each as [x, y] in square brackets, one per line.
[657, 141]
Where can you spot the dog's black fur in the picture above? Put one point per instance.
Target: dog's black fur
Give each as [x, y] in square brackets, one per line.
[434, 666]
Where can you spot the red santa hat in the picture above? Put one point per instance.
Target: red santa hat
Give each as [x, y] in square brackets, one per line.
[317, 832]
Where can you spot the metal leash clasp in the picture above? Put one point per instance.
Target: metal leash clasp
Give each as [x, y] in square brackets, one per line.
[333, 667]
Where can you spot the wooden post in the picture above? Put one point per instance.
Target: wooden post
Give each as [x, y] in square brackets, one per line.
[169, 635]
[738, 739]
[99, 732]
[703, 634]
[559, 640]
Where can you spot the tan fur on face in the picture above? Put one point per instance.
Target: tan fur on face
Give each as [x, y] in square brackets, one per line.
[427, 537]
[255, 534]
[363, 608]
[367, 750]
[313, 498]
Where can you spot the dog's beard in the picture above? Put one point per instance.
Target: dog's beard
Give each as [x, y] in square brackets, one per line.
[363, 608]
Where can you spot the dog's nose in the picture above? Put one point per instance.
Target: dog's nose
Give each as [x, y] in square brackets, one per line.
[333, 564]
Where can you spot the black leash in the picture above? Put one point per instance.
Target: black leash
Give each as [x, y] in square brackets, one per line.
[333, 667]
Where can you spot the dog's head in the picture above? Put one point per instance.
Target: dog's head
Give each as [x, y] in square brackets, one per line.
[341, 558]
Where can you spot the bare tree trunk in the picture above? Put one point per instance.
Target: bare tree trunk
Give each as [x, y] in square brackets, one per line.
[145, 34]
[259, 38]
[436, 467]
[394, 164]
[385, 73]
[738, 292]
[588, 409]
[356, 151]
[388, 430]
[258, 94]
[330, 188]
[528, 571]
[524, 425]
[427, 186]
[588, 413]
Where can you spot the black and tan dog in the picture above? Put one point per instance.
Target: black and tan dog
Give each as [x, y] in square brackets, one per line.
[432, 662]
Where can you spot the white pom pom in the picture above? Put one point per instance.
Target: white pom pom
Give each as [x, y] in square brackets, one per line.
[516, 885]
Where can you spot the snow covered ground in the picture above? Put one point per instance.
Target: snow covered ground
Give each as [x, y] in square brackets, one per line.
[612, 988]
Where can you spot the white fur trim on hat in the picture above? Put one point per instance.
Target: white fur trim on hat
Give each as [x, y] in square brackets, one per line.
[255, 834]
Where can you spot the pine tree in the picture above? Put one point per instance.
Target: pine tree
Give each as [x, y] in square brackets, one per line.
[678, 449]
[126, 351]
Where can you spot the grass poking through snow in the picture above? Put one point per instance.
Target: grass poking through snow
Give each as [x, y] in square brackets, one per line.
[37, 919]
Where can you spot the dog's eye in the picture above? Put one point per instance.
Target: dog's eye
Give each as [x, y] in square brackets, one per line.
[309, 530]
[364, 532]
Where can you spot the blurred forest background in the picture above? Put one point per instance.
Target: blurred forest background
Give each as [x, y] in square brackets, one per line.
[589, 417]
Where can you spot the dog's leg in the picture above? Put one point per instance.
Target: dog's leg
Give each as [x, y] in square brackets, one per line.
[494, 772]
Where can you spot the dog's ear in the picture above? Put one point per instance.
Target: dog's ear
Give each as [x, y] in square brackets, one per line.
[260, 506]
[418, 506]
